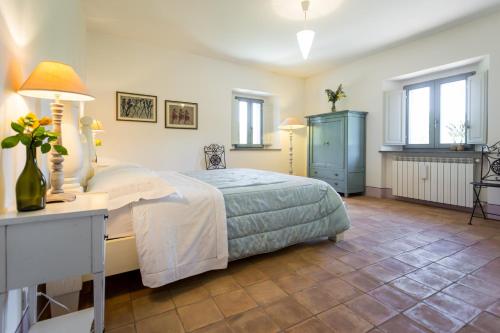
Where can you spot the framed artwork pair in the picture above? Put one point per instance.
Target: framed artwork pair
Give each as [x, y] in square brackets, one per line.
[143, 108]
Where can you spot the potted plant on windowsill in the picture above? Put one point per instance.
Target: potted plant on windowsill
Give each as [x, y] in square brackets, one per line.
[457, 132]
[31, 186]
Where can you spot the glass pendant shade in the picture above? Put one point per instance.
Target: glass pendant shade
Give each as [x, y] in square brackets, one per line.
[305, 39]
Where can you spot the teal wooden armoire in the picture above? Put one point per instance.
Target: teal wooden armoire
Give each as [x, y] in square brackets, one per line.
[336, 152]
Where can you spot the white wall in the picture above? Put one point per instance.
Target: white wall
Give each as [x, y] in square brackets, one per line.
[30, 31]
[120, 64]
[364, 79]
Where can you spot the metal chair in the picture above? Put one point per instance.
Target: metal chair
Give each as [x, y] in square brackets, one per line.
[215, 157]
[490, 176]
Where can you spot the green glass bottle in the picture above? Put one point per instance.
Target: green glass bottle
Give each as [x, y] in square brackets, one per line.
[31, 186]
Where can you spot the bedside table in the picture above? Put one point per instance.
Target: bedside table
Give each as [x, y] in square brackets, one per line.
[63, 240]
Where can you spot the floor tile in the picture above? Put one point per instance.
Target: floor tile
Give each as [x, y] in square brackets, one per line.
[287, 312]
[433, 319]
[381, 273]
[124, 329]
[249, 275]
[316, 300]
[400, 324]
[413, 260]
[412, 288]
[218, 327]
[361, 281]
[337, 268]
[152, 304]
[294, 283]
[220, 285]
[393, 297]
[444, 272]
[188, 295]
[495, 309]
[199, 314]
[486, 322]
[339, 289]
[312, 325]
[255, 321]
[480, 285]
[370, 309]
[234, 302]
[396, 266]
[119, 315]
[470, 296]
[265, 292]
[314, 273]
[429, 279]
[341, 319]
[165, 322]
[453, 307]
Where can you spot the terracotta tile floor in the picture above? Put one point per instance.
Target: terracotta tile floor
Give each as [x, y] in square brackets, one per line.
[401, 268]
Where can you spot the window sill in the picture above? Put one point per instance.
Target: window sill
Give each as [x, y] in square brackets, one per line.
[255, 149]
[433, 152]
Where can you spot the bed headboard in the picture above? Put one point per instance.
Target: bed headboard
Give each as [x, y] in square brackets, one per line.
[88, 149]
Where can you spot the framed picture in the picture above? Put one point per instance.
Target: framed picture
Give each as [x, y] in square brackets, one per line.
[136, 107]
[181, 115]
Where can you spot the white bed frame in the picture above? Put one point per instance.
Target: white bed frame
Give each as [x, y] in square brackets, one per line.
[121, 253]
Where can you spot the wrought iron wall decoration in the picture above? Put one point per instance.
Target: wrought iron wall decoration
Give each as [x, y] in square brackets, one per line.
[215, 157]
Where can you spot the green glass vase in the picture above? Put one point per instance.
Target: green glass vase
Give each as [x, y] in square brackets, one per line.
[31, 186]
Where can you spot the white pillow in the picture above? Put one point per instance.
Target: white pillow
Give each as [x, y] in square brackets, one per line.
[129, 183]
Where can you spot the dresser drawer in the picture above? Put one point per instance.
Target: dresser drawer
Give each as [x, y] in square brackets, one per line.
[338, 185]
[320, 172]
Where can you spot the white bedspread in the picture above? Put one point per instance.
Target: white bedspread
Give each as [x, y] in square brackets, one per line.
[181, 235]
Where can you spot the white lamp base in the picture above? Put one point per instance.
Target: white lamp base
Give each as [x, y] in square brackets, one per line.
[60, 197]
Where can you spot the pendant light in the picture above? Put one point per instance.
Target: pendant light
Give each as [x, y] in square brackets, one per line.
[305, 37]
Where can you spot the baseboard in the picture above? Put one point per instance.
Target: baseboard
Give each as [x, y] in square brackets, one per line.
[386, 193]
[378, 192]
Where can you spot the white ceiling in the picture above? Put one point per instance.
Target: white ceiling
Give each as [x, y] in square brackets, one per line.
[262, 32]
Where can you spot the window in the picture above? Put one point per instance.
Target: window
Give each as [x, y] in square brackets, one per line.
[436, 112]
[250, 122]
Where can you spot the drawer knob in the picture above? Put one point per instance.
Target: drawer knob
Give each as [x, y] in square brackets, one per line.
[336, 183]
[315, 172]
[336, 174]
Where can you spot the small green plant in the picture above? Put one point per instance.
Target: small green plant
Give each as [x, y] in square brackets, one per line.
[334, 96]
[32, 133]
[457, 132]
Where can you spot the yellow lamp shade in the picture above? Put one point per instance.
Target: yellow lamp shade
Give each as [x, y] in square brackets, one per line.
[97, 126]
[291, 123]
[55, 80]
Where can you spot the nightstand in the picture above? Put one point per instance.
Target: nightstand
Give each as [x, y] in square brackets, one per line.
[63, 240]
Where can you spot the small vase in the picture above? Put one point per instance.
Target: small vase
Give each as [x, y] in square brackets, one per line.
[334, 109]
[31, 186]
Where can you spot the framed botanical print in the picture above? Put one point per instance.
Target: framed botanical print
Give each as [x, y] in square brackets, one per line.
[181, 115]
[136, 107]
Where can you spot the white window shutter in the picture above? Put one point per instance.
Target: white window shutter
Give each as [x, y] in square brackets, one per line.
[235, 123]
[395, 118]
[477, 108]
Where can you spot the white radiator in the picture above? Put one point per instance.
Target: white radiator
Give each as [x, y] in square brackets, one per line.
[442, 180]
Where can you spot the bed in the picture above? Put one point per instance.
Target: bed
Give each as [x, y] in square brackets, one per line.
[212, 217]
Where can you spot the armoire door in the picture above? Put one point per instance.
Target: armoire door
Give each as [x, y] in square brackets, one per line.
[333, 143]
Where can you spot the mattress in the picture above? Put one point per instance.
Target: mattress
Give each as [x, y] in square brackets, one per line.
[267, 211]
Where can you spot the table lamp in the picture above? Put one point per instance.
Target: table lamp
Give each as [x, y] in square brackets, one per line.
[291, 124]
[59, 82]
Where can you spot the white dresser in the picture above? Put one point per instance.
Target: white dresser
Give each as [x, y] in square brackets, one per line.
[63, 240]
